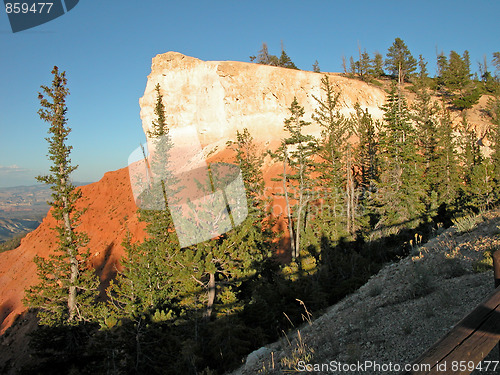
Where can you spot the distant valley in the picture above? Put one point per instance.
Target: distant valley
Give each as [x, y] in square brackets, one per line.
[22, 209]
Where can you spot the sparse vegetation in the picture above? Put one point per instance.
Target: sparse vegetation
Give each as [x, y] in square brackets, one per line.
[466, 223]
[421, 281]
[486, 263]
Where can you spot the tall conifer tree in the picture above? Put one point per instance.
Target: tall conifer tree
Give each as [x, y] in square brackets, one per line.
[334, 165]
[145, 285]
[366, 156]
[296, 152]
[446, 179]
[400, 194]
[67, 290]
[476, 170]
[399, 60]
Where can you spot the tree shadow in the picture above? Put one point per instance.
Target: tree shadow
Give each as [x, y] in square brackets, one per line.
[6, 308]
[277, 298]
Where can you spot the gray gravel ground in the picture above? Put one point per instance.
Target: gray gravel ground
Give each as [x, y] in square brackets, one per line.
[397, 314]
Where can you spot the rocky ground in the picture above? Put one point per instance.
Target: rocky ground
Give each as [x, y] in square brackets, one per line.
[398, 313]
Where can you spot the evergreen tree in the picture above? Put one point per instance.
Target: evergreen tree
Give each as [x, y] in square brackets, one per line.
[488, 80]
[476, 175]
[442, 67]
[250, 163]
[146, 283]
[367, 162]
[333, 167]
[445, 179]
[377, 66]
[399, 60]
[455, 76]
[400, 191]
[68, 285]
[367, 156]
[210, 274]
[364, 65]
[457, 73]
[296, 151]
[494, 114]
[422, 77]
[316, 68]
[424, 114]
[264, 57]
[285, 61]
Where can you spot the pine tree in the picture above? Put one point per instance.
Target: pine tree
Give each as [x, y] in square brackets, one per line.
[442, 67]
[250, 163]
[457, 73]
[68, 286]
[494, 114]
[296, 151]
[422, 77]
[435, 143]
[366, 130]
[377, 65]
[365, 67]
[476, 175]
[455, 76]
[367, 163]
[316, 68]
[446, 180]
[145, 284]
[211, 273]
[265, 58]
[400, 192]
[285, 61]
[334, 167]
[399, 60]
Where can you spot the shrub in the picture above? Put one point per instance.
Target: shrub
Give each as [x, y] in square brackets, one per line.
[467, 222]
[421, 282]
[486, 263]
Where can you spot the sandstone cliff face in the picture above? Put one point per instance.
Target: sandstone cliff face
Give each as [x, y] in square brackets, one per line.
[221, 97]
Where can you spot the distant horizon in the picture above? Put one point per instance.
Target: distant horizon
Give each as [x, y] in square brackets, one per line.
[42, 184]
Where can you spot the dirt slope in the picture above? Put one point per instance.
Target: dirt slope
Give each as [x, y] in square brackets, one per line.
[398, 314]
[111, 211]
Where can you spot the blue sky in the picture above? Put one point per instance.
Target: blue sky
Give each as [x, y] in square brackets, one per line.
[106, 48]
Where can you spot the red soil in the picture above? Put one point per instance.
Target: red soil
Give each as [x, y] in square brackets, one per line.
[111, 212]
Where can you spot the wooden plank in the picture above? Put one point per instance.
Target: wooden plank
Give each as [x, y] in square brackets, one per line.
[470, 340]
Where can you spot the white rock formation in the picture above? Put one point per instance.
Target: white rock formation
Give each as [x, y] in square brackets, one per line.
[220, 97]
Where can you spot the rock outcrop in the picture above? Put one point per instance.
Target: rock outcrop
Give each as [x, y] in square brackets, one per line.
[221, 97]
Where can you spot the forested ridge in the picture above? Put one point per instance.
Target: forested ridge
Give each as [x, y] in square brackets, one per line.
[355, 197]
